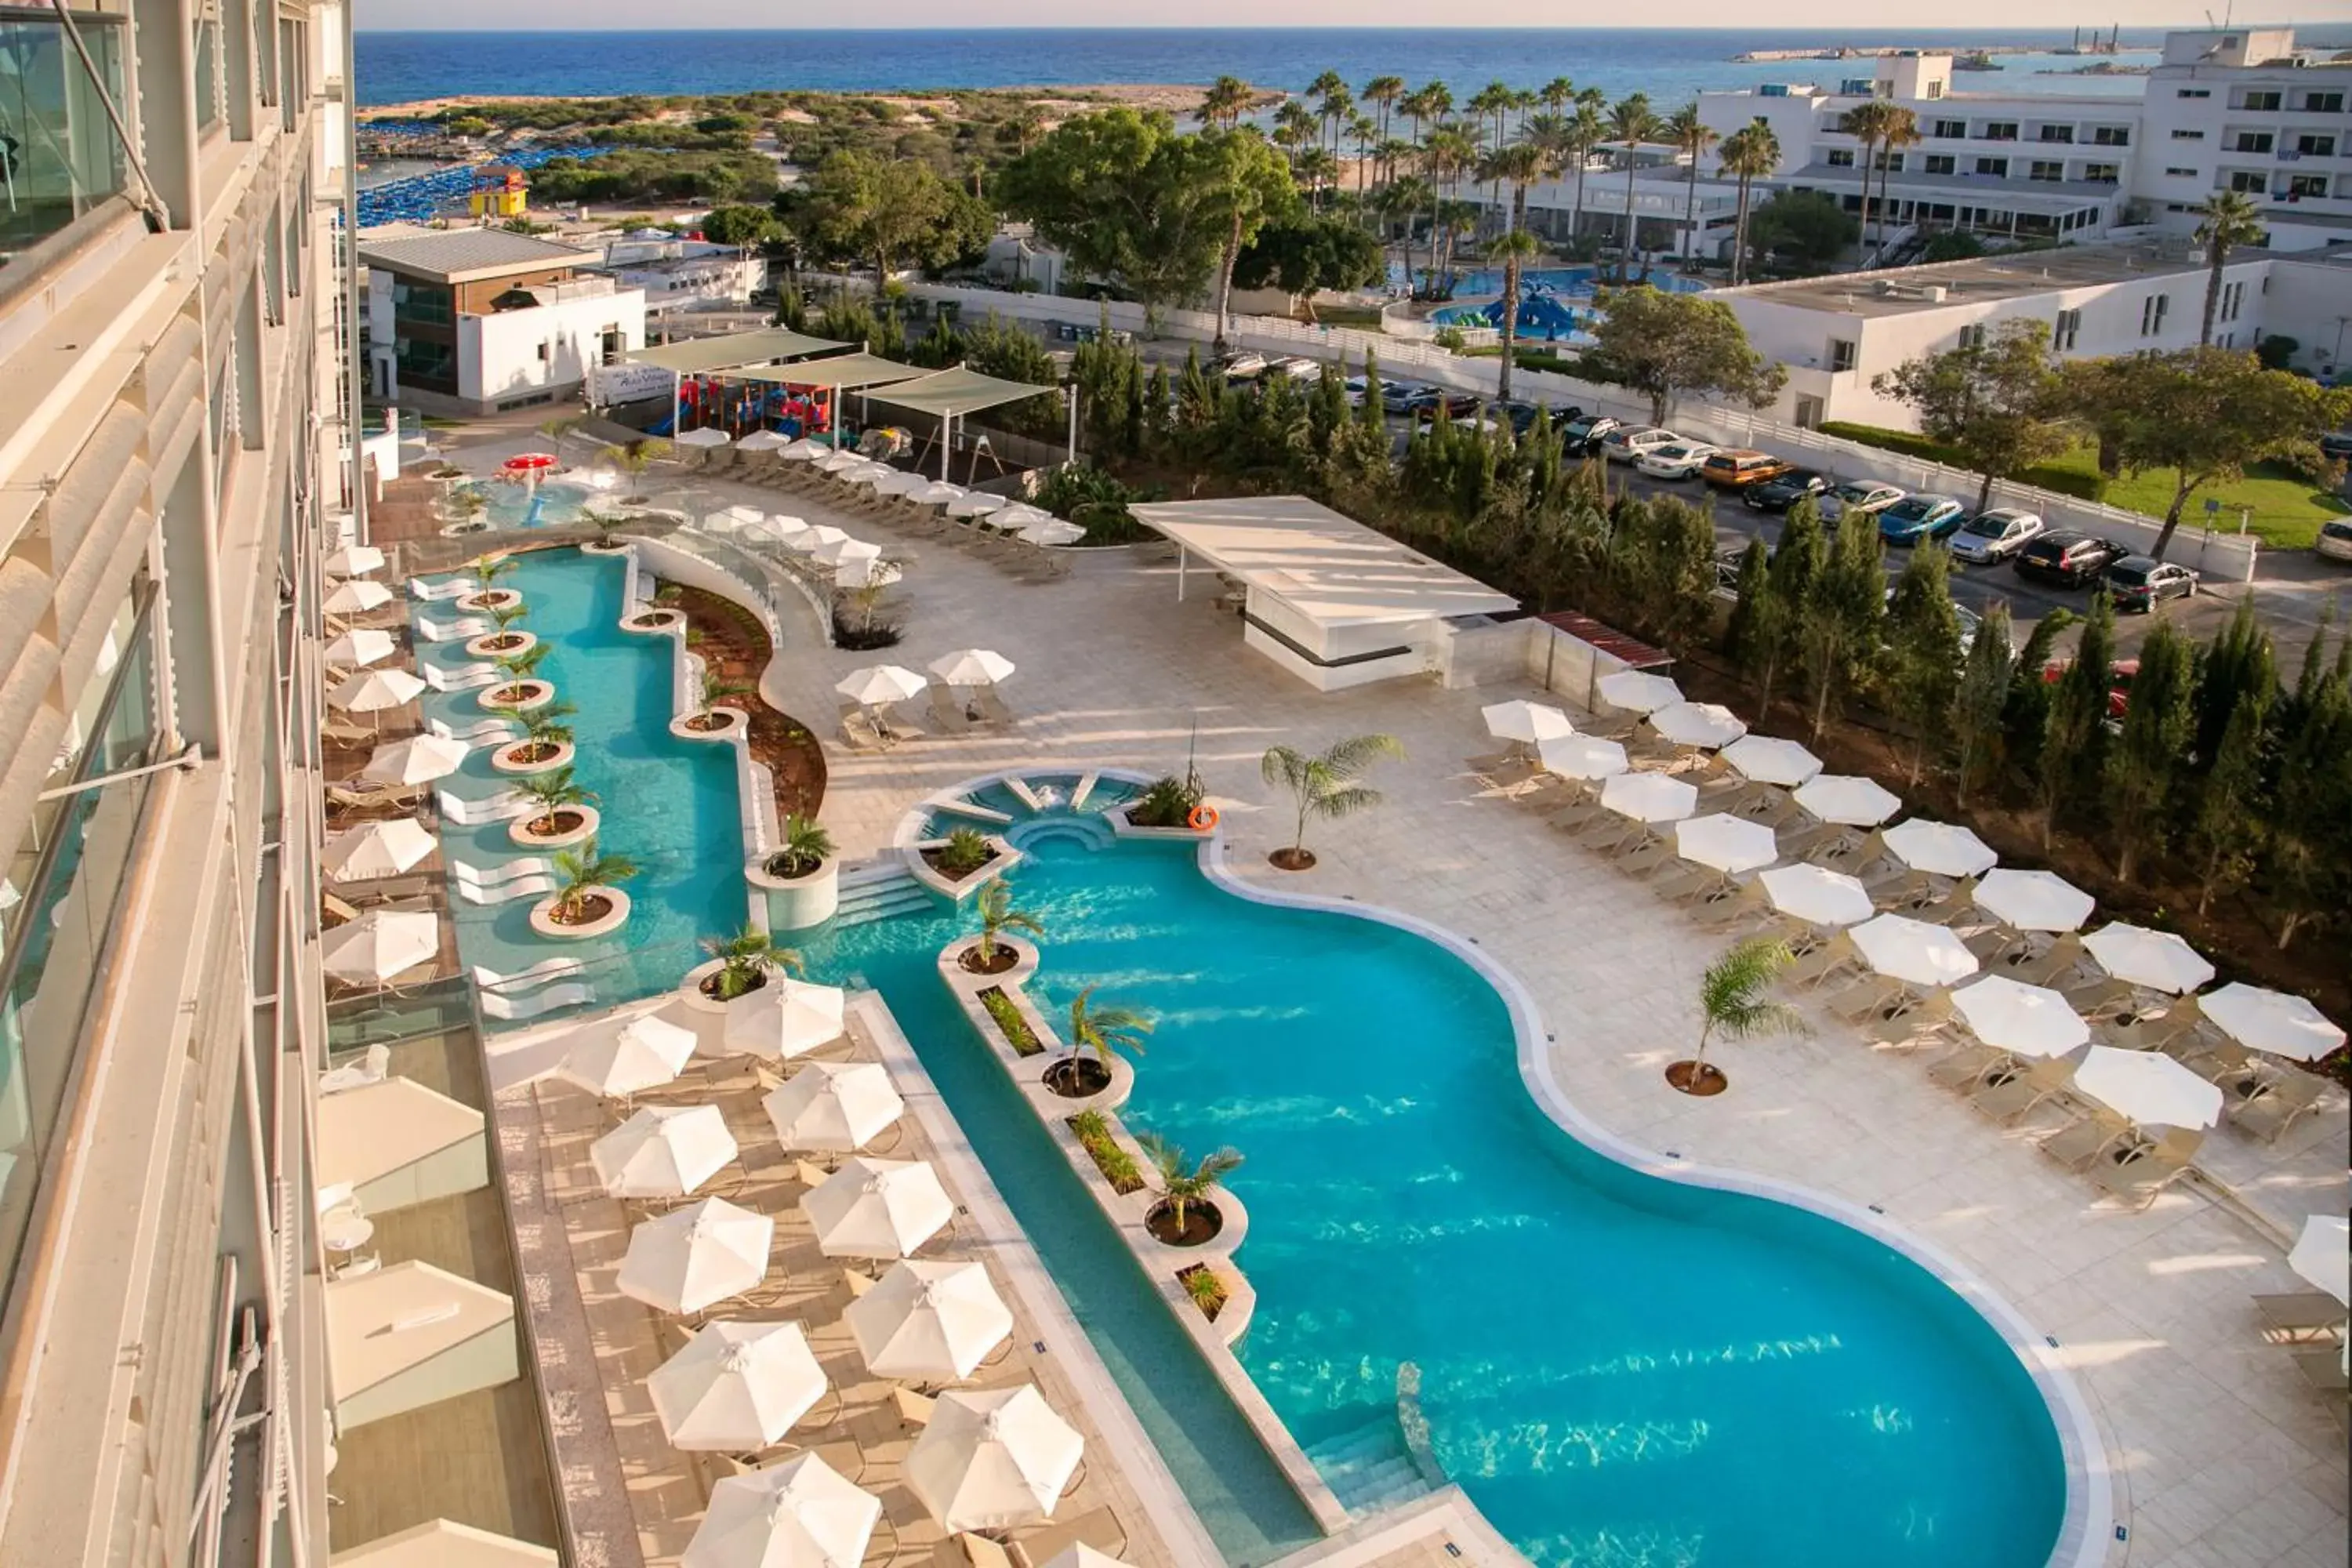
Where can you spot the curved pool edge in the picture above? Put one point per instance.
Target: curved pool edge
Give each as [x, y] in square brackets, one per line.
[2087, 1528]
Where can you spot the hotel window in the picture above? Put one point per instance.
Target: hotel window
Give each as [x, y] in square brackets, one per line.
[2323, 102]
[59, 156]
[1891, 162]
[1942, 163]
[2057, 133]
[2233, 295]
[2101, 173]
[2194, 92]
[2311, 146]
[2299, 186]
[2069, 327]
[2252, 141]
[2189, 136]
[2152, 312]
[2047, 169]
[1996, 168]
[2248, 182]
[1972, 336]
[1840, 158]
[1950, 130]
[1841, 353]
[2111, 135]
[2183, 174]
[211, 95]
[2259, 102]
[2001, 130]
[1934, 89]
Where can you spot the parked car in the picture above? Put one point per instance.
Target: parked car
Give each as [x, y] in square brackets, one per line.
[2335, 541]
[2067, 557]
[1782, 493]
[1674, 460]
[1396, 396]
[1425, 403]
[1356, 386]
[2120, 676]
[1995, 535]
[2142, 581]
[1627, 442]
[1865, 494]
[1915, 518]
[1585, 433]
[1741, 467]
[1241, 365]
[1522, 415]
[2337, 444]
[1296, 368]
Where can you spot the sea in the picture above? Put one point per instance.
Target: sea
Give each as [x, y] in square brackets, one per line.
[1669, 64]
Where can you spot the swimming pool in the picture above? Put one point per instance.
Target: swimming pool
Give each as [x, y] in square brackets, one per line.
[1567, 282]
[1619, 1370]
[547, 504]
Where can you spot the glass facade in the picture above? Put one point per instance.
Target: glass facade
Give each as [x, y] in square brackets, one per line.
[59, 156]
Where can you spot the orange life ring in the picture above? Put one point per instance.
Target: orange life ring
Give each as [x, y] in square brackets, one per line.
[1203, 817]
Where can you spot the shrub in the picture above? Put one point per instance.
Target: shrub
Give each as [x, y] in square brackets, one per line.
[1092, 1130]
[1165, 802]
[805, 848]
[1010, 1022]
[965, 851]
[1206, 1289]
[1093, 499]
[1450, 339]
[2305, 461]
[2275, 350]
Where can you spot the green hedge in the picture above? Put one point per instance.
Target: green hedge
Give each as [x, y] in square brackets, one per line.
[2075, 475]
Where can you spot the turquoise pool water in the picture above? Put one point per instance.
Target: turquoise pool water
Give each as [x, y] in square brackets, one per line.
[544, 505]
[668, 805]
[1623, 1372]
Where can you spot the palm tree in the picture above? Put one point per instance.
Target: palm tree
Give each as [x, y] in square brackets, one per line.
[1557, 94]
[1366, 134]
[805, 847]
[1513, 248]
[1693, 136]
[1294, 127]
[1106, 1031]
[1867, 123]
[605, 526]
[998, 916]
[1749, 153]
[1901, 129]
[1325, 784]
[1383, 91]
[504, 617]
[2228, 219]
[1493, 98]
[715, 688]
[746, 960]
[518, 668]
[1404, 198]
[1585, 131]
[488, 569]
[1732, 1005]
[583, 870]
[1333, 102]
[636, 456]
[1227, 100]
[1631, 123]
[1187, 1186]
[551, 792]
[544, 729]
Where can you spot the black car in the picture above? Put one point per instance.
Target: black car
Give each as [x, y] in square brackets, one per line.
[1522, 416]
[2068, 558]
[1780, 493]
[1425, 404]
[1584, 434]
[2337, 444]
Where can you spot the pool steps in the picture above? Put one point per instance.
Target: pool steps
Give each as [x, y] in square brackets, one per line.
[877, 892]
[1369, 1469]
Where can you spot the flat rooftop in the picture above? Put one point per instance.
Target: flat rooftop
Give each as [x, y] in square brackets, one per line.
[463, 255]
[1902, 290]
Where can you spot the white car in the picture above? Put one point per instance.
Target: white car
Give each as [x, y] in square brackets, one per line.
[1241, 366]
[1995, 535]
[1676, 459]
[1865, 495]
[1297, 369]
[1627, 443]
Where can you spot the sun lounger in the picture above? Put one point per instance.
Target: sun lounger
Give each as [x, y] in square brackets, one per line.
[2075, 1145]
[456, 588]
[475, 731]
[1913, 1023]
[503, 806]
[2139, 1181]
[2302, 1315]
[2050, 964]
[1835, 957]
[2279, 1098]
[947, 712]
[2324, 1370]
[467, 678]
[1641, 860]
[505, 892]
[1964, 1069]
[533, 1004]
[358, 797]
[349, 736]
[1098, 1527]
[2010, 1097]
[1745, 905]
[1868, 999]
[991, 706]
[859, 732]
[539, 973]
[1685, 882]
[504, 871]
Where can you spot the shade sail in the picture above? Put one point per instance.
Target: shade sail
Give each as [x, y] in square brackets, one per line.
[957, 391]
[735, 350]
[841, 372]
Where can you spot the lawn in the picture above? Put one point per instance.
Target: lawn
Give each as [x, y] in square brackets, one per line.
[1362, 318]
[2281, 509]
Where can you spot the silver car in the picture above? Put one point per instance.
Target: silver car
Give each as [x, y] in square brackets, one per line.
[1995, 535]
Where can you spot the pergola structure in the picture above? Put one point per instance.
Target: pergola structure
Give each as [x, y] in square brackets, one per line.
[731, 353]
[951, 395]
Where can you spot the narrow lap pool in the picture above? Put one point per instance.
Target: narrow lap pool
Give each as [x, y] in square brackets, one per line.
[1623, 1372]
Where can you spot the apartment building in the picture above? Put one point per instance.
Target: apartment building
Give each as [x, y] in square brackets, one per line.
[2243, 109]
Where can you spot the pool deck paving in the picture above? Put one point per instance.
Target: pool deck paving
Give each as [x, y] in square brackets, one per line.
[2220, 1455]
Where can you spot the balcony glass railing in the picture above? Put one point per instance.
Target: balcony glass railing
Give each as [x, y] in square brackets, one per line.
[59, 156]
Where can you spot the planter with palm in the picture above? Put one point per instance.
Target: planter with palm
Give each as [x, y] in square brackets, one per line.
[636, 458]
[1325, 785]
[799, 879]
[715, 689]
[546, 744]
[588, 900]
[511, 637]
[519, 687]
[740, 963]
[1187, 1214]
[990, 955]
[488, 595]
[605, 528]
[1733, 1006]
[1099, 1036]
[562, 811]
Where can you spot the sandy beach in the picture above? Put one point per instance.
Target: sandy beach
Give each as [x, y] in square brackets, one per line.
[1175, 97]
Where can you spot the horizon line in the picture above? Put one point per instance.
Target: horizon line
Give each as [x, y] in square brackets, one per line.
[1260, 28]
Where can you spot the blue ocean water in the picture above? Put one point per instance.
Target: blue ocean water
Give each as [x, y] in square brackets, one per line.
[1667, 64]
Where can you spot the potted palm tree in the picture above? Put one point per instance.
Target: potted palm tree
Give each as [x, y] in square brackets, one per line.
[1732, 1007]
[605, 526]
[521, 688]
[588, 901]
[634, 458]
[510, 636]
[990, 955]
[1187, 1214]
[965, 850]
[487, 594]
[1324, 785]
[709, 719]
[738, 965]
[799, 879]
[1104, 1031]
[469, 504]
[546, 744]
[562, 812]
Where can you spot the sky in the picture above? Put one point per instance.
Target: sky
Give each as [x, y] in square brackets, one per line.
[1980, 18]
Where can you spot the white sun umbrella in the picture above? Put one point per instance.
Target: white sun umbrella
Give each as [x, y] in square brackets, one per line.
[763, 441]
[1707, 724]
[1938, 848]
[805, 451]
[931, 1321]
[1053, 531]
[736, 1388]
[663, 1151]
[813, 538]
[2032, 900]
[353, 561]
[1816, 895]
[2271, 1022]
[835, 462]
[1638, 691]
[1648, 797]
[866, 475]
[833, 1107]
[729, 519]
[1581, 757]
[899, 482]
[2156, 959]
[975, 503]
[1728, 843]
[1846, 800]
[356, 596]
[1914, 950]
[1019, 515]
[361, 646]
[376, 849]
[1766, 759]
[1525, 722]
[991, 1459]
[784, 1018]
[865, 571]
[643, 1053]
[938, 492]
[877, 1208]
[419, 759]
[780, 529]
[2024, 1020]
[690, 1257]
[800, 1514]
[2320, 1254]
[874, 684]
[848, 552]
[705, 436]
[2148, 1088]
[379, 944]
[972, 667]
[374, 691]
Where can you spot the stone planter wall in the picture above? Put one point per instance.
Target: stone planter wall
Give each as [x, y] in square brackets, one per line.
[580, 834]
[959, 888]
[1120, 826]
[543, 923]
[536, 694]
[795, 903]
[501, 763]
[479, 648]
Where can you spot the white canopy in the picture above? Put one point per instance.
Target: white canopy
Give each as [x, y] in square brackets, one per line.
[813, 538]
[2320, 1254]
[1938, 848]
[1847, 800]
[777, 528]
[1581, 757]
[2026, 1020]
[2156, 959]
[630, 1058]
[2032, 900]
[1913, 950]
[2148, 1088]
[1648, 797]
[1525, 721]
[705, 436]
[806, 450]
[864, 475]
[379, 944]
[663, 1151]
[784, 1018]
[727, 519]
[1638, 691]
[863, 571]
[690, 1257]
[991, 1459]
[1816, 895]
[877, 684]
[841, 552]
[1704, 724]
[360, 646]
[938, 492]
[931, 1321]
[1019, 515]
[420, 759]
[1769, 759]
[975, 503]
[1729, 844]
[835, 462]
[877, 1208]
[765, 441]
[376, 849]
[800, 1514]
[355, 597]
[899, 482]
[374, 691]
[736, 1388]
[1053, 531]
[972, 667]
[353, 561]
[2271, 1022]
[832, 1107]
